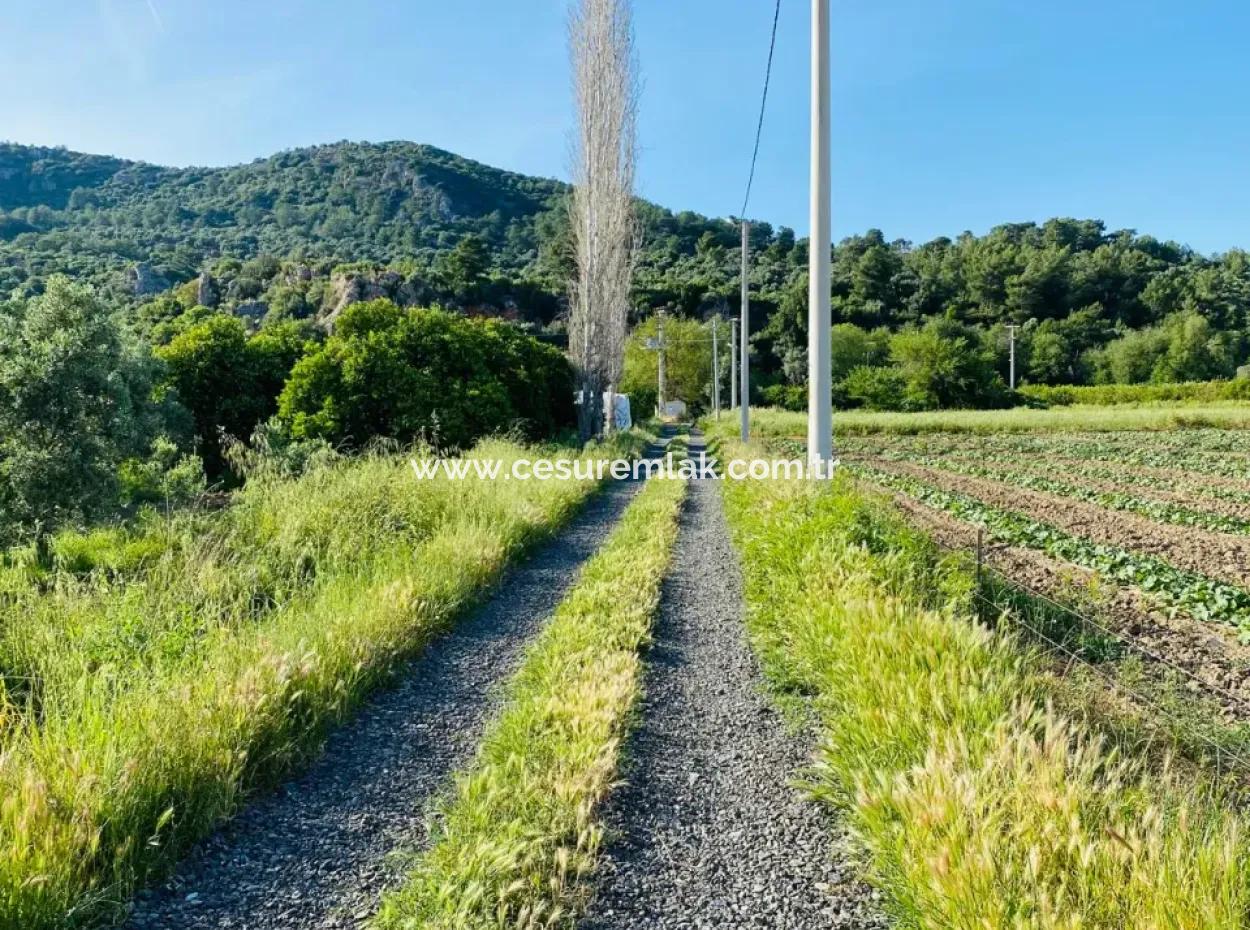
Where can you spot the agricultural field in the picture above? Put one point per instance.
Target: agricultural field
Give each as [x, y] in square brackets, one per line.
[1137, 521]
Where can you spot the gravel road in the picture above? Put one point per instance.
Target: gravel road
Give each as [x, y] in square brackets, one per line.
[709, 831]
[315, 853]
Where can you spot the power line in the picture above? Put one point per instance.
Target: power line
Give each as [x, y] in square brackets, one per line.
[759, 130]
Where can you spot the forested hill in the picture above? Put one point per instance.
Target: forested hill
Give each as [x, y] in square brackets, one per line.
[416, 223]
[91, 215]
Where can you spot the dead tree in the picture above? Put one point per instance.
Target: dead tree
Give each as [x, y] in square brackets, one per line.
[603, 222]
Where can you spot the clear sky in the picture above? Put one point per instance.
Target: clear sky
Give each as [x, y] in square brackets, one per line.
[948, 114]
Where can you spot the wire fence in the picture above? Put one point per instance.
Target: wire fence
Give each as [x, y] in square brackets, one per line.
[1056, 645]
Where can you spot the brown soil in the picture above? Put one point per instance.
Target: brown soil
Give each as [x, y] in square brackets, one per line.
[1222, 556]
[1210, 653]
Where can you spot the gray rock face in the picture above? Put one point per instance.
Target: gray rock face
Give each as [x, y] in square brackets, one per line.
[253, 310]
[207, 293]
[348, 289]
[145, 282]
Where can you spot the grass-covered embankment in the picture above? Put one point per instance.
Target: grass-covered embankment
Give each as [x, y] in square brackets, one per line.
[774, 423]
[145, 709]
[520, 828]
[977, 804]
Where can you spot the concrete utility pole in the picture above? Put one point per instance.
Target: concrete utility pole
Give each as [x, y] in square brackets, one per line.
[1011, 335]
[819, 298]
[744, 339]
[663, 371]
[733, 364]
[715, 369]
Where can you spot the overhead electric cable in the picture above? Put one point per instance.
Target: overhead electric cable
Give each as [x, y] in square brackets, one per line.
[759, 129]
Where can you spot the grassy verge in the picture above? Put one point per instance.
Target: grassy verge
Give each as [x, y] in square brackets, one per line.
[1162, 416]
[977, 803]
[146, 711]
[520, 830]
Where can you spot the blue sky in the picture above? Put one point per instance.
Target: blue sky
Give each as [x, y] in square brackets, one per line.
[948, 114]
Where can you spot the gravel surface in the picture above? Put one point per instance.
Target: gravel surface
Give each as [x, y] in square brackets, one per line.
[316, 854]
[709, 830]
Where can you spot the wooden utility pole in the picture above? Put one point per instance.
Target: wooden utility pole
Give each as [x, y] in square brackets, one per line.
[744, 339]
[819, 299]
[733, 364]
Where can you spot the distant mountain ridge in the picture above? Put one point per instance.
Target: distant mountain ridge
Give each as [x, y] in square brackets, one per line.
[91, 215]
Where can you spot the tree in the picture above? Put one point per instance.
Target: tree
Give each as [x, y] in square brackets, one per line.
[228, 381]
[604, 227]
[410, 374]
[463, 269]
[688, 360]
[944, 364]
[74, 403]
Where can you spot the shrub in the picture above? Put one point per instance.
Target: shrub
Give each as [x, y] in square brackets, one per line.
[876, 388]
[408, 374]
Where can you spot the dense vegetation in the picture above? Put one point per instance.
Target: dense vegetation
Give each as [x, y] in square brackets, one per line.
[95, 421]
[425, 227]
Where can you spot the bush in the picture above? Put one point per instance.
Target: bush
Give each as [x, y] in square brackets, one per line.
[409, 374]
[876, 388]
[786, 396]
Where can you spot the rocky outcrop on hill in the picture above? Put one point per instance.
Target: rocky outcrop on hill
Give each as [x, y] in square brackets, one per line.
[207, 293]
[353, 288]
[145, 282]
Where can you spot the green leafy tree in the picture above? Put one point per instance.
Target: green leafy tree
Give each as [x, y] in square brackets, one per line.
[228, 381]
[74, 403]
[945, 364]
[688, 361]
[410, 374]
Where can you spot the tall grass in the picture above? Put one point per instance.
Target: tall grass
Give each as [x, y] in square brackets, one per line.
[978, 805]
[144, 710]
[1193, 392]
[769, 422]
[520, 829]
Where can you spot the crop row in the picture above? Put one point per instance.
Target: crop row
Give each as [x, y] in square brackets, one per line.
[1099, 471]
[1162, 511]
[1196, 595]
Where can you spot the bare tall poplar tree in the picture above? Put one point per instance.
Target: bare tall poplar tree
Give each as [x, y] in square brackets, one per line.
[604, 226]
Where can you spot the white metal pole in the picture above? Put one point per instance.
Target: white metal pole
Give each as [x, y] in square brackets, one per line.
[1011, 330]
[660, 348]
[733, 364]
[744, 339]
[819, 374]
[715, 369]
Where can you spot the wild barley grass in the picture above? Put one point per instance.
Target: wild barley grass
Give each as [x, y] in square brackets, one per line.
[977, 804]
[519, 832]
[162, 702]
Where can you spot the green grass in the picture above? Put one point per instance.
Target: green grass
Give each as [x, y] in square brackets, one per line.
[142, 711]
[978, 805]
[520, 830]
[768, 422]
[1192, 392]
